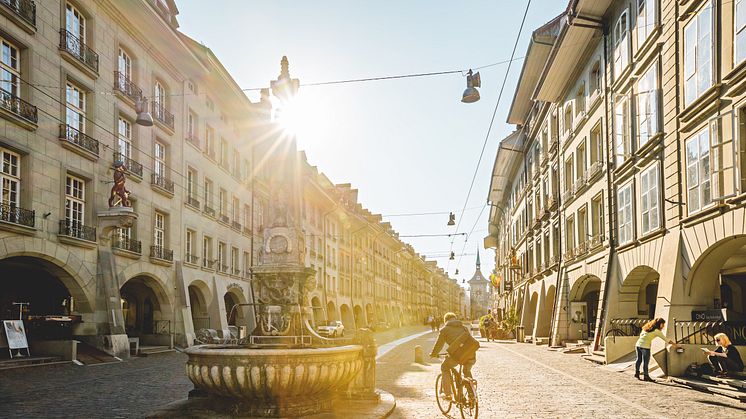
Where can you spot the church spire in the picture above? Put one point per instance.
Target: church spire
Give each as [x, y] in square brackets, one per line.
[478, 263]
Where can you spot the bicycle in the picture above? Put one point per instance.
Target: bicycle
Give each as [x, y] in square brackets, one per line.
[464, 395]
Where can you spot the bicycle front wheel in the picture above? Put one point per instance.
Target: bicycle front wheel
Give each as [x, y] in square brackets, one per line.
[444, 406]
[470, 406]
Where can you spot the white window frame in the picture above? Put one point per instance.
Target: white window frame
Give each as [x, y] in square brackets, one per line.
[159, 230]
[159, 159]
[648, 106]
[739, 48]
[10, 67]
[10, 178]
[621, 44]
[192, 179]
[189, 245]
[206, 251]
[75, 106]
[647, 20]
[698, 171]
[650, 208]
[159, 98]
[208, 192]
[625, 214]
[75, 200]
[694, 63]
[124, 141]
[75, 23]
[124, 65]
[622, 128]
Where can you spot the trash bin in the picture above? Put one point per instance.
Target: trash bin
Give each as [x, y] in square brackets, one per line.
[520, 334]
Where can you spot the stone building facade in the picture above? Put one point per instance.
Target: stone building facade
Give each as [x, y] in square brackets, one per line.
[651, 173]
[75, 75]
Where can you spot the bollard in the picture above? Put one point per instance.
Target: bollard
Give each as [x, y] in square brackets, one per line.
[418, 358]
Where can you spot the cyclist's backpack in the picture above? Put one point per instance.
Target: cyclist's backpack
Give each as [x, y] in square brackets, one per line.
[463, 348]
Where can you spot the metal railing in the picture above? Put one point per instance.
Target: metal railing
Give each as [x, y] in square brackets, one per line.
[236, 225]
[596, 240]
[209, 210]
[127, 87]
[161, 253]
[75, 229]
[193, 201]
[25, 9]
[568, 195]
[162, 327]
[189, 258]
[162, 182]
[132, 166]
[626, 327]
[78, 49]
[223, 218]
[162, 115]
[703, 332]
[192, 138]
[79, 139]
[124, 243]
[596, 168]
[223, 268]
[17, 215]
[582, 248]
[18, 106]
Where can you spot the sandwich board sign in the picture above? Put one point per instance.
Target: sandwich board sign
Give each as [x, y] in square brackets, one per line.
[15, 334]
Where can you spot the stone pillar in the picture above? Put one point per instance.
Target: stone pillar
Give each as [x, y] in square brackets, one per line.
[363, 386]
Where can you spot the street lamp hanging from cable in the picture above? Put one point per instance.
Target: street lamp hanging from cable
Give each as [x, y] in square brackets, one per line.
[453, 256]
[451, 219]
[471, 94]
[144, 117]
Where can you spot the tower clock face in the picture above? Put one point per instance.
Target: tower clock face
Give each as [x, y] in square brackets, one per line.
[278, 244]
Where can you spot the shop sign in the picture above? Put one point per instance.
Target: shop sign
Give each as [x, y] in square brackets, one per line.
[706, 315]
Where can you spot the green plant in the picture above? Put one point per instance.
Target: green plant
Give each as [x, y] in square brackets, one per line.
[510, 319]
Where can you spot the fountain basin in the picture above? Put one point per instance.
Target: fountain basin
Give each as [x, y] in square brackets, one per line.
[273, 381]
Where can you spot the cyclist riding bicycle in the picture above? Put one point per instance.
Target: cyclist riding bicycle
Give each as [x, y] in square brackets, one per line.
[462, 350]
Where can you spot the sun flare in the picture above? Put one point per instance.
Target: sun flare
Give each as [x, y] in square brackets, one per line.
[304, 116]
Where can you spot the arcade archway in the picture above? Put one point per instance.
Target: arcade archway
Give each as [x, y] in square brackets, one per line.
[145, 306]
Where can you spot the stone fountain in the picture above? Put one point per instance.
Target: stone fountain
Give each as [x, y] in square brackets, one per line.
[284, 368]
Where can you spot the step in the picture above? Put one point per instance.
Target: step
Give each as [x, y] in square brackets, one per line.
[90, 355]
[30, 362]
[600, 353]
[152, 350]
[541, 341]
[709, 387]
[597, 359]
[736, 383]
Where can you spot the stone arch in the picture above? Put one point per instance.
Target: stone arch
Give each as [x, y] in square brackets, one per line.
[370, 313]
[544, 315]
[234, 297]
[199, 305]
[709, 264]
[530, 317]
[346, 315]
[584, 300]
[145, 302]
[70, 270]
[331, 311]
[317, 310]
[633, 299]
[360, 320]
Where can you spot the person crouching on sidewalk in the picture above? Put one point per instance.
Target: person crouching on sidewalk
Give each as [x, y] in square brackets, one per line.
[650, 331]
[725, 358]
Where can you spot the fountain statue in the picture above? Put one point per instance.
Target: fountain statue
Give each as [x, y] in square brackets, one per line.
[283, 368]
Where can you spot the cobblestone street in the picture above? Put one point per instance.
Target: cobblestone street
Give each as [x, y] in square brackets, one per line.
[523, 380]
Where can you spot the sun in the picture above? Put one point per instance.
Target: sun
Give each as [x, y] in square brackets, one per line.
[305, 116]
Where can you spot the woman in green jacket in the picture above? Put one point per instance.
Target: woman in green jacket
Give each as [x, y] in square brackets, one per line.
[650, 331]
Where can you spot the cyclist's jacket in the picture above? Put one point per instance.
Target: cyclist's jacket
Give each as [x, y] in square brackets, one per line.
[452, 330]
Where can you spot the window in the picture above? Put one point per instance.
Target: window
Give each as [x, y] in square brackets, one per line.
[124, 142]
[74, 200]
[570, 233]
[223, 153]
[222, 256]
[622, 143]
[124, 65]
[209, 142]
[569, 180]
[624, 203]
[159, 100]
[189, 246]
[580, 161]
[208, 102]
[246, 216]
[222, 202]
[647, 105]
[699, 194]
[596, 146]
[649, 205]
[583, 224]
[191, 125]
[621, 44]
[75, 107]
[740, 32]
[208, 193]
[236, 210]
[10, 178]
[580, 100]
[124, 235]
[10, 68]
[646, 20]
[567, 120]
[159, 230]
[698, 45]
[234, 261]
[597, 216]
[191, 182]
[206, 252]
[595, 78]
[75, 25]
[159, 169]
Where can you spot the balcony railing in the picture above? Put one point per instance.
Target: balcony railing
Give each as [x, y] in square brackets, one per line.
[568, 195]
[192, 201]
[236, 271]
[246, 230]
[18, 106]
[161, 182]
[189, 258]
[25, 9]
[223, 218]
[79, 139]
[626, 327]
[193, 139]
[132, 166]
[223, 268]
[703, 332]
[596, 168]
[159, 252]
[72, 44]
[582, 248]
[569, 255]
[76, 229]
[162, 115]
[129, 245]
[579, 183]
[209, 210]
[236, 225]
[127, 87]
[17, 215]
[596, 240]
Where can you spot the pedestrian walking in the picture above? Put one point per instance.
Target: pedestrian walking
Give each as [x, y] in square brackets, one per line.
[650, 331]
[725, 358]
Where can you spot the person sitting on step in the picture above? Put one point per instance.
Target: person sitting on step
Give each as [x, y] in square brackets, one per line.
[725, 358]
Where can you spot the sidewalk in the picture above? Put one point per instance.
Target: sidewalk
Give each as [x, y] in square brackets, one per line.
[524, 380]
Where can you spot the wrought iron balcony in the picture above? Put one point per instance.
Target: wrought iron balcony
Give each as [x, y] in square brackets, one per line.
[193, 139]
[127, 87]
[236, 225]
[209, 211]
[18, 106]
[246, 230]
[76, 229]
[129, 245]
[25, 9]
[223, 218]
[189, 258]
[17, 215]
[192, 201]
[597, 240]
[159, 252]
[160, 181]
[132, 166]
[73, 45]
[236, 271]
[79, 139]
[162, 115]
[223, 268]
[596, 168]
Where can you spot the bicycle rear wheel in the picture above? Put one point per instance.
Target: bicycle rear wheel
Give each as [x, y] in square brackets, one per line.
[444, 406]
[470, 406]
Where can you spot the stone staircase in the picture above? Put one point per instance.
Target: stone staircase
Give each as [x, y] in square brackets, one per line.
[597, 357]
[32, 361]
[89, 355]
[733, 386]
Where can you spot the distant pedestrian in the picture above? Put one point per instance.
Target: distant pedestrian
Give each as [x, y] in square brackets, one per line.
[650, 331]
[725, 358]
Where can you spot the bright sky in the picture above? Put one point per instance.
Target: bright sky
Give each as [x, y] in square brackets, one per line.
[409, 146]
